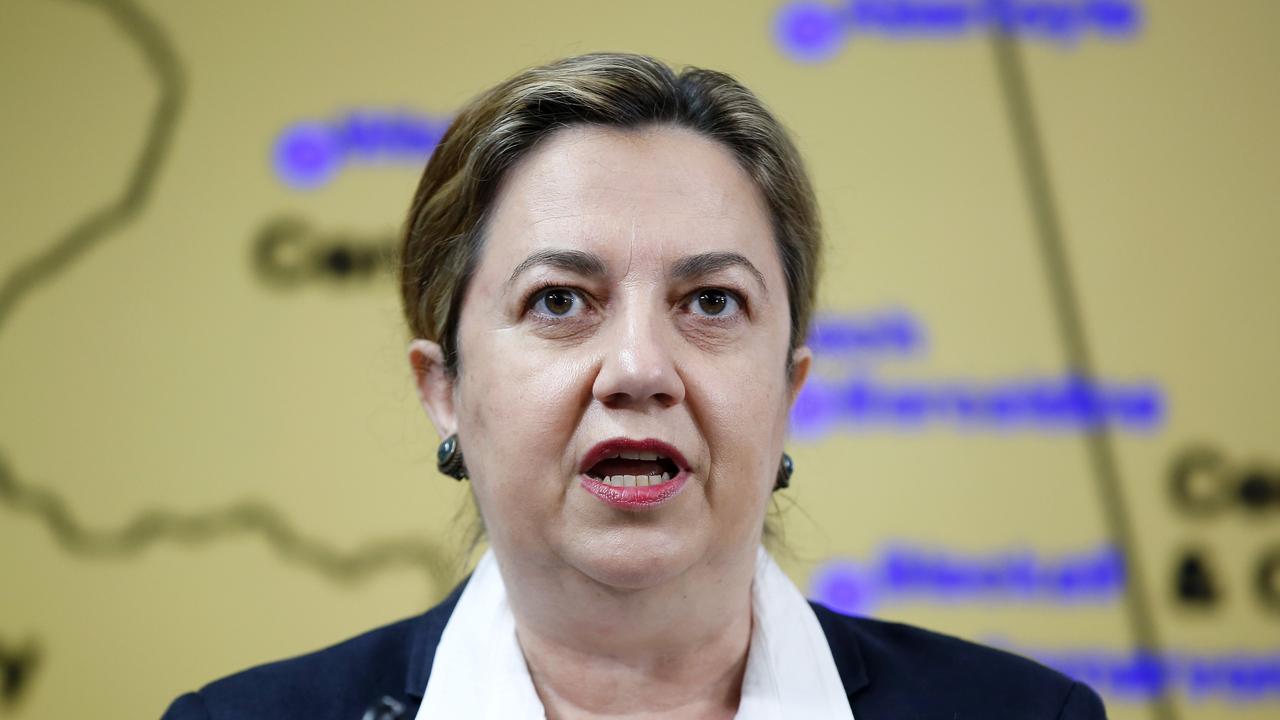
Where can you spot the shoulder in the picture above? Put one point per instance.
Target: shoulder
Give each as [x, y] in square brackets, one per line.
[897, 670]
[343, 680]
[338, 681]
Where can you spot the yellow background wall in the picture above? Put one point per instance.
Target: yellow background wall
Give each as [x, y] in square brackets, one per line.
[200, 470]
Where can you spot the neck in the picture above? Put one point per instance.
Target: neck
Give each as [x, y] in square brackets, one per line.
[678, 649]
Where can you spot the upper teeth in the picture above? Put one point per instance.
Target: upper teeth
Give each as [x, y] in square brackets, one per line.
[636, 455]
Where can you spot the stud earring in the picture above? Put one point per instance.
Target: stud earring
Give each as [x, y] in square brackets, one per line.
[784, 473]
[449, 458]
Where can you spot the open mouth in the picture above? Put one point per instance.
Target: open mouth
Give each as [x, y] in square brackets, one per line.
[632, 474]
[634, 468]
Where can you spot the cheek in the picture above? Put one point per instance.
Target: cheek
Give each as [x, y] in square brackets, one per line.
[745, 421]
[749, 386]
[519, 407]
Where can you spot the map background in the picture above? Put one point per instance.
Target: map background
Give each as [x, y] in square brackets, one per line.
[157, 370]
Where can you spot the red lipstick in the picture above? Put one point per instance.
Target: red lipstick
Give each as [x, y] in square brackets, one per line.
[638, 497]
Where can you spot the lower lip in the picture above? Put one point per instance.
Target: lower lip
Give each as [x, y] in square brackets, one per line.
[635, 498]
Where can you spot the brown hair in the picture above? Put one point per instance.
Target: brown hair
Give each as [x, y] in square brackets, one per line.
[444, 231]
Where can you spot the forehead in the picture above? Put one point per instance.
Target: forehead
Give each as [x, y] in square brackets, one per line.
[656, 194]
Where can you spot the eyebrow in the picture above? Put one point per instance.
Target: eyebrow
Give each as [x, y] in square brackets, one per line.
[590, 265]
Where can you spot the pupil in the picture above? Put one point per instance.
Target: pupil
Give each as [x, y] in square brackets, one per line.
[559, 302]
[712, 302]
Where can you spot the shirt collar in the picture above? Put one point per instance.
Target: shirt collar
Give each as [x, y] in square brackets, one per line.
[478, 670]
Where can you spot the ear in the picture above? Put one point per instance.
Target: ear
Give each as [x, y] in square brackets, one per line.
[801, 360]
[435, 390]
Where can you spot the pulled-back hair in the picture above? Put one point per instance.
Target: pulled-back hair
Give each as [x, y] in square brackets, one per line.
[444, 231]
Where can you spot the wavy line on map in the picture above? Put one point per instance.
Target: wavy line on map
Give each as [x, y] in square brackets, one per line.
[163, 62]
[197, 528]
[153, 526]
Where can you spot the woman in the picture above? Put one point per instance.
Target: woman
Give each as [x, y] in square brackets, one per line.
[608, 273]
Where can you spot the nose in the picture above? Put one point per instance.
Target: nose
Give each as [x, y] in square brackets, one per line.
[638, 368]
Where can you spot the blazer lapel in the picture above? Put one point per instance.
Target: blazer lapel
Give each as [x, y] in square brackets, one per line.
[426, 639]
[844, 649]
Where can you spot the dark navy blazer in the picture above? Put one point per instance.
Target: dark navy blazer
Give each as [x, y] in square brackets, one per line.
[890, 671]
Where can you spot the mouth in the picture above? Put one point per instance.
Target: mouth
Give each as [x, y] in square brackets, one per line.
[634, 474]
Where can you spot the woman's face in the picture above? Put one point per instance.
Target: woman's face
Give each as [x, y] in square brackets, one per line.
[629, 286]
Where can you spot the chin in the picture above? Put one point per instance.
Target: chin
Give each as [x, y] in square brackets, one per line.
[635, 558]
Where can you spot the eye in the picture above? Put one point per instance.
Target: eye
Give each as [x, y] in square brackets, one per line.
[559, 302]
[715, 302]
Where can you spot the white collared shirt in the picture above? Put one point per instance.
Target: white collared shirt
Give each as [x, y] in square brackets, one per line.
[479, 670]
